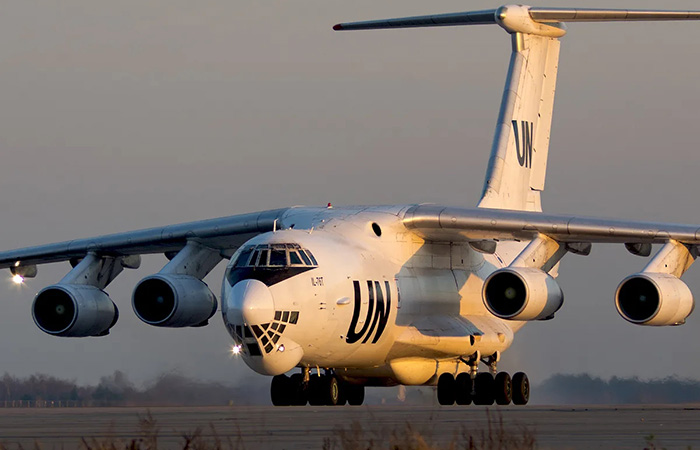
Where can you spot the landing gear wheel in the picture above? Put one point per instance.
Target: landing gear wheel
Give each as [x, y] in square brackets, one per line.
[503, 388]
[483, 389]
[324, 391]
[446, 389]
[331, 391]
[280, 390]
[521, 389]
[297, 390]
[355, 393]
[315, 390]
[343, 393]
[463, 389]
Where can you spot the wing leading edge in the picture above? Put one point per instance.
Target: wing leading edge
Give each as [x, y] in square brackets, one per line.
[431, 222]
[223, 234]
[440, 223]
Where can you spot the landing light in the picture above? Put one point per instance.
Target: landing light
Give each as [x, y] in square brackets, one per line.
[18, 279]
[236, 349]
[280, 348]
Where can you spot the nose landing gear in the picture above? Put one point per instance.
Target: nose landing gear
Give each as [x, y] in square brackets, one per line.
[318, 390]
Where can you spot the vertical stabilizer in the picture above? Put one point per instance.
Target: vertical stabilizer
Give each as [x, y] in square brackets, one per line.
[518, 162]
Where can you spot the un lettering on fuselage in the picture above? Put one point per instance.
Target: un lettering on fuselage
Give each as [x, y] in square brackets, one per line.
[377, 315]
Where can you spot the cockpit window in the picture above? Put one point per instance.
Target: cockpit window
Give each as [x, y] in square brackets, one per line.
[275, 256]
[254, 258]
[263, 258]
[278, 258]
[313, 260]
[294, 258]
[306, 259]
[244, 257]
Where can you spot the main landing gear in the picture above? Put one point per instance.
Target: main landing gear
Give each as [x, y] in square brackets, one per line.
[316, 390]
[483, 388]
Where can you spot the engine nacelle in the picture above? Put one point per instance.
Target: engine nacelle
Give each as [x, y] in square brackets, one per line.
[654, 299]
[173, 300]
[73, 310]
[522, 293]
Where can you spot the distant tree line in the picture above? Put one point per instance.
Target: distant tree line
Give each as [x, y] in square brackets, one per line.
[173, 389]
[585, 389]
[169, 389]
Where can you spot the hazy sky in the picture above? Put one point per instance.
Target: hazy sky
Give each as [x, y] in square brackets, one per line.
[129, 114]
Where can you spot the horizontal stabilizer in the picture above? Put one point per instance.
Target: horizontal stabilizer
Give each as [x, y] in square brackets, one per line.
[438, 20]
[540, 15]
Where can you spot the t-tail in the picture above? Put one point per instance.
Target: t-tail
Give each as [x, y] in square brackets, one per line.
[517, 167]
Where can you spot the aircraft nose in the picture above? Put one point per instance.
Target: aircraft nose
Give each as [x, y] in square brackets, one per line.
[251, 302]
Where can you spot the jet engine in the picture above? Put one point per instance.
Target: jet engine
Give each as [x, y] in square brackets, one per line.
[654, 299]
[74, 311]
[522, 293]
[174, 301]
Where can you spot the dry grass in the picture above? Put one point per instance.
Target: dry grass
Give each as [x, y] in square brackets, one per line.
[353, 437]
[410, 437]
[148, 439]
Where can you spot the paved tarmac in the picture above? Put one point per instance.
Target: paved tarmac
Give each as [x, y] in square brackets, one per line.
[308, 427]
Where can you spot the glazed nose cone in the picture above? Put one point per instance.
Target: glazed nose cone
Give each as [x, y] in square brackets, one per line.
[251, 302]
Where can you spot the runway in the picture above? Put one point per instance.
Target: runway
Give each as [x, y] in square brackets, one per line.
[307, 427]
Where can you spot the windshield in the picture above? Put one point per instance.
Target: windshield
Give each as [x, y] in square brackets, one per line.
[275, 256]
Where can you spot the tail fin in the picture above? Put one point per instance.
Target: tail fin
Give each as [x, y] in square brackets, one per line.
[518, 163]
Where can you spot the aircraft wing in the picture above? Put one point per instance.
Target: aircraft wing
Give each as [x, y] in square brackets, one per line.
[440, 223]
[224, 233]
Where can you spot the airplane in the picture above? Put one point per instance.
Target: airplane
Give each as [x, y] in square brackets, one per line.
[416, 295]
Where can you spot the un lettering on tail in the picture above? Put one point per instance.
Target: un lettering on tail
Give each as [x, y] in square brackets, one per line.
[523, 142]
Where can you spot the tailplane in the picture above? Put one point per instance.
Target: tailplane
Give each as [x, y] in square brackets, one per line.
[517, 167]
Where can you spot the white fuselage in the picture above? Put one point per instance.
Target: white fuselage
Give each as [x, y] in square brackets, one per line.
[387, 308]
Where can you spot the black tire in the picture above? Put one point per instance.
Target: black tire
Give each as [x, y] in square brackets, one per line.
[463, 389]
[280, 388]
[315, 390]
[483, 389]
[521, 389]
[297, 390]
[503, 388]
[331, 391]
[355, 393]
[446, 389]
[343, 394]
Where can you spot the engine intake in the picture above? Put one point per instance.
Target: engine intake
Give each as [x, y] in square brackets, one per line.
[173, 300]
[654, 299]
[522, 293]
[74, 311]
